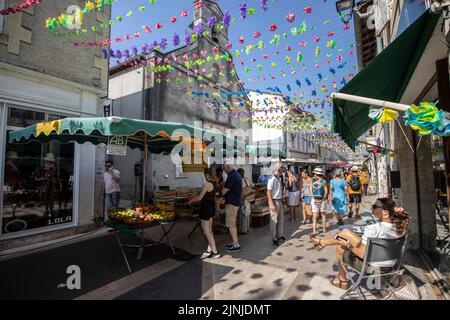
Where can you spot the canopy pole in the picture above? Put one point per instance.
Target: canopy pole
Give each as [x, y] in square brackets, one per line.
[144, 166]
[369, 101]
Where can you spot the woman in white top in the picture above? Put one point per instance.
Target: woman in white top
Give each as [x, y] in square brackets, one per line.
[393, 225]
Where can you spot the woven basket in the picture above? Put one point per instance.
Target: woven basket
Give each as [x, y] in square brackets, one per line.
[133, 224]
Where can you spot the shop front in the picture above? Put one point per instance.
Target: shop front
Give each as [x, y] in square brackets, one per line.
[47, 190]
[37, 179]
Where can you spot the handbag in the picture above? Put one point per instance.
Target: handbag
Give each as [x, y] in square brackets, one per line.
[405, 290]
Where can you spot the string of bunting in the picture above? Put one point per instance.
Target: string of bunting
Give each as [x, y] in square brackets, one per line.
[19, 8]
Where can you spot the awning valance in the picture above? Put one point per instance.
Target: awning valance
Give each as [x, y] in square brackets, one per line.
[385, 78]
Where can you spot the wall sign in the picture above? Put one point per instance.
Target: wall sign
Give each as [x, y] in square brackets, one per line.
[117, 145]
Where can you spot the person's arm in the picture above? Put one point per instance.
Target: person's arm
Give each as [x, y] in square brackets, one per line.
[207, 187]
[226, 187]
[116, 176]
[269, 200]
[347, 190]
[330, 194]
[269, 195]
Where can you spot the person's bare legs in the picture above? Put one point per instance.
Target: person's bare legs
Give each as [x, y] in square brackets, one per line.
[350, 209]
[324, 222]
[305, 216]
[207, 230]
[314, 222]
[357, 206]
[339, 252]
[234, 235]
[292, 211]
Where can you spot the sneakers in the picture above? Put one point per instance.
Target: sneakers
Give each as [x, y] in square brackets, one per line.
[213, 255]
[276, 242]
[282, 239]
[206, 253]
[232, 248]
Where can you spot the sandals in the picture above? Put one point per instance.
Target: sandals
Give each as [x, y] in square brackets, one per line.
[339, 284]
[316, 242]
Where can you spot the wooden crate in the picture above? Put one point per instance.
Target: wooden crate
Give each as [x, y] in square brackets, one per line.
[260, 221]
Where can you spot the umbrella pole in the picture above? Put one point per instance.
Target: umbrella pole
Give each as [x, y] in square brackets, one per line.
[144, 166]
[374, 102]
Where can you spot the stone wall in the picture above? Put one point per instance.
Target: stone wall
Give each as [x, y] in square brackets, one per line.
[27, 43]
[425, 185]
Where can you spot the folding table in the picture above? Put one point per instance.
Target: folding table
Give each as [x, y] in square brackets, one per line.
[139, 233]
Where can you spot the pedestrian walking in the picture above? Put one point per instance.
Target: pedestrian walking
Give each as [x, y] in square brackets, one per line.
[275, 196]
[293, 187]
[233, 200]
[245, 210]
[319, 203]
[111, 178]
[365, 180]
[338, 196]
[354, 192]
[306, 195]
[207, 199]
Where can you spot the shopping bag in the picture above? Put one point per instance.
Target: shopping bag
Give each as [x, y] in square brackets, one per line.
[406, 289]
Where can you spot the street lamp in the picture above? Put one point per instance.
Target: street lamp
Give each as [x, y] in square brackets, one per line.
[345, 9]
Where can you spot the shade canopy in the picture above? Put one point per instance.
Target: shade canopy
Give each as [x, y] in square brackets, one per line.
[386, 77]
[161, 136]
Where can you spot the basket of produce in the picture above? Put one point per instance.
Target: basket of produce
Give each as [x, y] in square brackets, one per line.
[119, 215]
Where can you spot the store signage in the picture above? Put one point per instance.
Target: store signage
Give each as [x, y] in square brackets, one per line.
[59, 220]
[117, 145]
[194, 168]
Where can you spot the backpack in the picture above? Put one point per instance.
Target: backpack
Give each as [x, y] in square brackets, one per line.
[355, 183]
[318, 188]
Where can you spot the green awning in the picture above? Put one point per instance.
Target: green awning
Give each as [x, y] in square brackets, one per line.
[97, 130]
[385, 78]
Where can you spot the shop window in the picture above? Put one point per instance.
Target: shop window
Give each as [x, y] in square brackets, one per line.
[38, 179]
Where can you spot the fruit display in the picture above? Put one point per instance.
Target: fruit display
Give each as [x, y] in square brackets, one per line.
[143, 214]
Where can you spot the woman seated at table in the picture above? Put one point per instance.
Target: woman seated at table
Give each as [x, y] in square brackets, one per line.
[207, 199]
[393, 225]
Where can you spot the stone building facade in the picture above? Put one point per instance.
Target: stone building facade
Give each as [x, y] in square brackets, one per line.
[137, 93]
[43, 78]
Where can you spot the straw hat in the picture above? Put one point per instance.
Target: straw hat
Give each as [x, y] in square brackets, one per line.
[318, 171]
[355, 169]
[11, 155]
[49, 157]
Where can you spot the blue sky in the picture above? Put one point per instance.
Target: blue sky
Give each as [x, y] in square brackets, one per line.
[322, 10]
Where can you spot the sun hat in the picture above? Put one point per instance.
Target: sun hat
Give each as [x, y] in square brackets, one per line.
[318, 171]
[355, 168]
[49, 157]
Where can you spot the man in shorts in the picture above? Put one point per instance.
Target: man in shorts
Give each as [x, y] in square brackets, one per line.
[319, 202]
[233, 201]
[354, 192]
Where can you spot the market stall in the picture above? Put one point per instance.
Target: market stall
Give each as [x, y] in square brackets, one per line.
[119, 134]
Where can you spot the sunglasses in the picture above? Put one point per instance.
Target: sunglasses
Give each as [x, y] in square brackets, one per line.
[377, 206]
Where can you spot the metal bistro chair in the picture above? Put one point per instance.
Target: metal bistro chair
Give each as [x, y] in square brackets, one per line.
[377, 250]
[443, 243]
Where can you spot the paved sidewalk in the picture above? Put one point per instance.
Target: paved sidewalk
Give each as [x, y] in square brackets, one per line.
[294, 270]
